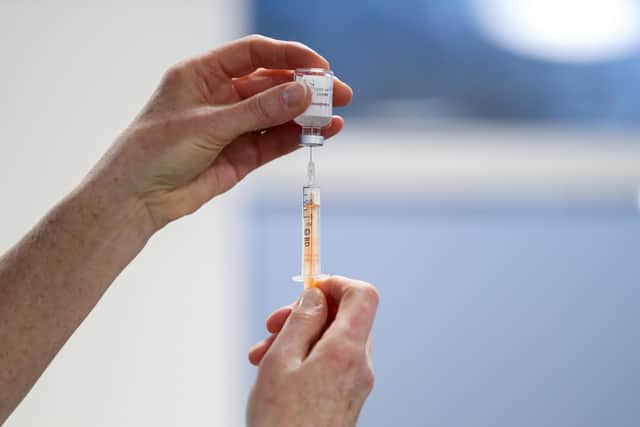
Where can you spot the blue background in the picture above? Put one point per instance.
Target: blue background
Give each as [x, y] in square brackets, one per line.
[421, 50]
[489, 317]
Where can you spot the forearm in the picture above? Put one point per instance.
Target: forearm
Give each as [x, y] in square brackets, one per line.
[52, 279]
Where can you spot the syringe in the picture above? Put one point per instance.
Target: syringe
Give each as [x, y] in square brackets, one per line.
[310, 228]
[317, 117]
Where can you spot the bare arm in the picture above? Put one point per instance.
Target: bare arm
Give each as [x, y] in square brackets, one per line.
[213, 119]
[52, 278]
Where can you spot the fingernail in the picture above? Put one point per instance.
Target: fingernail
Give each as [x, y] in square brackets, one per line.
[310, 300]
[294, 94]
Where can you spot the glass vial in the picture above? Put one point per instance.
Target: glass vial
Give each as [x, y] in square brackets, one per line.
[319, 113]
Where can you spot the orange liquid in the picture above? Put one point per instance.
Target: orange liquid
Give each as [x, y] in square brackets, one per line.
[311, 239]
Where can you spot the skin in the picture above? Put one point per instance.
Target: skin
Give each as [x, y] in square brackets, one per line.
[315, 367]
[212, 120]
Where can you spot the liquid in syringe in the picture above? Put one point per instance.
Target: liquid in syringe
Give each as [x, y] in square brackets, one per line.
[310, 269]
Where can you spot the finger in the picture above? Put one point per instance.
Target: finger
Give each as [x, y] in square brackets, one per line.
[262, 80]
[273, 107]
[357, 304]
[368, 351]
[250, 152]
[247, 54]
[276, 320]
[302, 329]
[253, 151]
[246, 154]
[258, 351]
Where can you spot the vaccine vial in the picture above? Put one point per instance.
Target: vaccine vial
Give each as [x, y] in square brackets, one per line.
[319, 113]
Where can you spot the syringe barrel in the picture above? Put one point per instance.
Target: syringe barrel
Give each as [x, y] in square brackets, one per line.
[310, 231]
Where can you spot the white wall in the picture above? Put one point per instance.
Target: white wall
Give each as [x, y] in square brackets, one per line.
[165, 346]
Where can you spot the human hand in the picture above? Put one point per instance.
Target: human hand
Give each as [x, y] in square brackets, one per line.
[315, 367]
[213, 119]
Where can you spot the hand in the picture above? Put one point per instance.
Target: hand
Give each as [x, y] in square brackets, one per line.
[315, 368]
[214, 119]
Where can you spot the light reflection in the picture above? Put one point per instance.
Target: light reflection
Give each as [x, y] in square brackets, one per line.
[562, 30]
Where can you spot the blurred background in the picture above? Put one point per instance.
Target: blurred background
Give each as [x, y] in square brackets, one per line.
[486, 182]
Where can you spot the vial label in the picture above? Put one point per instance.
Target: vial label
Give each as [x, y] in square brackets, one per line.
[321, 109]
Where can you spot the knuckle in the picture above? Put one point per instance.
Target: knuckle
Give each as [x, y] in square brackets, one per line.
[372, 293]
[256, 38]
[367, 379]
[300, 45]
[303, 316]
[257, 108]
[367, 293]
[344, 357]
[176, 73]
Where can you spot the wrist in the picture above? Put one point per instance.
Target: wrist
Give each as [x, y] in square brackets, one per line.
[111, 224]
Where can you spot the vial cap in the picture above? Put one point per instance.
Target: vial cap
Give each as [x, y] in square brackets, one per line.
[312, 140]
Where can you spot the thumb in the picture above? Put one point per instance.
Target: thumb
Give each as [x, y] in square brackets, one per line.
[303, 327]
[273, 107]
